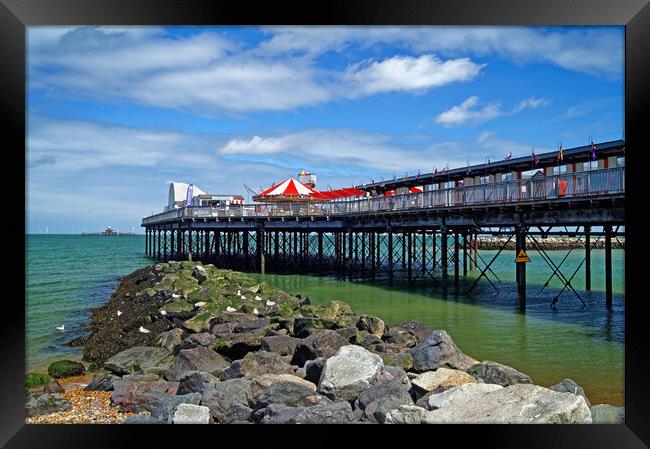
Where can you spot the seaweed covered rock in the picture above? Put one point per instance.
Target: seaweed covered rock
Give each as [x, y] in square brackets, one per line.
[199, 358]
[66, 368]
[140, 360]
[46, 403]
[497, 373]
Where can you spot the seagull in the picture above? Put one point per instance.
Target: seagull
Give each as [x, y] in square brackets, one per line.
[61, 327]
[230, 309]
[143, 330]
[255, 312]
[238, 292]
[119, 313]
[175, 296]
[257, 298]
[199, 304]
[243, 297]
[163, 312]
[270, 303]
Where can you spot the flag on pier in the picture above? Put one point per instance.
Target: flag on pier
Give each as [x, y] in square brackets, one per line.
[535, 158]
[560, 154]
[188, 197]
[593, 150]
[509, 156]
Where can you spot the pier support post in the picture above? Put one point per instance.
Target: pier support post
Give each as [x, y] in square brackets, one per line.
[443, 258]
[172, 243]
[403, 249]
[320, 249]
[390, 251]
[464, 254]
[608, 266]
[520, 235]
[456, 260]
[189, 244]
[410, 256]
[588, 258]
[424, 253]
[146, 241]
[350, 254]
[245, 248]
[434, 244]
[259, 238]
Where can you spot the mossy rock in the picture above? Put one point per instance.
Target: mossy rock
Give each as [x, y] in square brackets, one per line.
[200, 322]
[187, 265]
[402, 360]
[66, 368]
[33, 380]
[347, 320]
[178, 306]
[150, 292]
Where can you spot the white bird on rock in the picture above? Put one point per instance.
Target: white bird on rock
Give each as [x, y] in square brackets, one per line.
[230, 309]
[270, 303]
[243, 297]
[60, 328]
[163, 312]
[199, 304]
[238, 292]
[255, 312]
[119, 313]
[175, 296]
[257, 298]
[143, 330]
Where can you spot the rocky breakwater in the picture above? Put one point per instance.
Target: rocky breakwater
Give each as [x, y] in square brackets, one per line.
[187, 343]
[549, 243]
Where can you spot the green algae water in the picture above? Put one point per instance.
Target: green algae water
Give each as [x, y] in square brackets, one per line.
[69, 275]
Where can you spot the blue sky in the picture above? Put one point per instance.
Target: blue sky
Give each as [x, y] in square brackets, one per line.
[115, 114]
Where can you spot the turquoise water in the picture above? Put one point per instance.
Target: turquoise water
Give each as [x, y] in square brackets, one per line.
[69, 275]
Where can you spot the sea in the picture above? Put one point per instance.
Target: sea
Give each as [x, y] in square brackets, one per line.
[69, 275]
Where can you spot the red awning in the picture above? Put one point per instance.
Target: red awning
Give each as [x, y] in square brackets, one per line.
[289, 187]
[338, 193]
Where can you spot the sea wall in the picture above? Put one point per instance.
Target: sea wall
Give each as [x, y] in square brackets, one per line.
[549, 243]
[180, 342]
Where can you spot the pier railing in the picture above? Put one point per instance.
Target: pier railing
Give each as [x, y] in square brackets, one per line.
[542, 188]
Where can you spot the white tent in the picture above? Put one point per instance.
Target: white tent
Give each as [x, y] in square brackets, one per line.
[178, 193]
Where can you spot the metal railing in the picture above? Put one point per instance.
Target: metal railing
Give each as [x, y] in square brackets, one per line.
[567, 185]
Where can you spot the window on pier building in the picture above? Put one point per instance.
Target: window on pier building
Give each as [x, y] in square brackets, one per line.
[448, 185]
[591, 165]
[484, 179]
[507, 176]
[559, 169]
[620, 161]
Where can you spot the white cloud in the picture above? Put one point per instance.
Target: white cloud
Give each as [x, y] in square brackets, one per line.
[592, 50]
[409, 74]
[467, 112]
[531, 103]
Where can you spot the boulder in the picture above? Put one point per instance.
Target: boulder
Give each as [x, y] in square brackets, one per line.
[261, 383]
[102, 382]
[405, 414]
[288, 392]
[515, 404]
[436, 351]
[139, 393]
[191, 414]
[349, 333]
[66, 368]
[313, 369]
[33, 380]
[381, 398]
[402, 360]
[195, 381]
[464, 394]
[372, 324]
[220, 397]
[352, 370]
[320, 344]
[238, 413]
[199, 358]
[280, 344]
[570, 386]
[366, 340]
[199, 322]
[46, 403]
[332, 413]
[202, 339]
[305, 326]
[497, 373]
[140, 360]
[406, 334]
[168, 405]
[143, 419]
[441, 379]
[171, 339]
[53, 386]
[607, 414]
[237, 346]
[251, 325]
[255, 364]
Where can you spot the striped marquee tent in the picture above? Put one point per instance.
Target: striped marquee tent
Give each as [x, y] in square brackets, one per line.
[289, 190]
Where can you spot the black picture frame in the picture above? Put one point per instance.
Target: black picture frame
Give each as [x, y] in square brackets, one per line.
[15, 15]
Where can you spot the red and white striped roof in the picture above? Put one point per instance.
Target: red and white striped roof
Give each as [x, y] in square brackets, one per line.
[289, 187]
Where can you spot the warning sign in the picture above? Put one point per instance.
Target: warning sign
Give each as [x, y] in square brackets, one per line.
[522, 256]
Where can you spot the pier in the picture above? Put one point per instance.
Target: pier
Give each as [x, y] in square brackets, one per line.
[430, 235]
